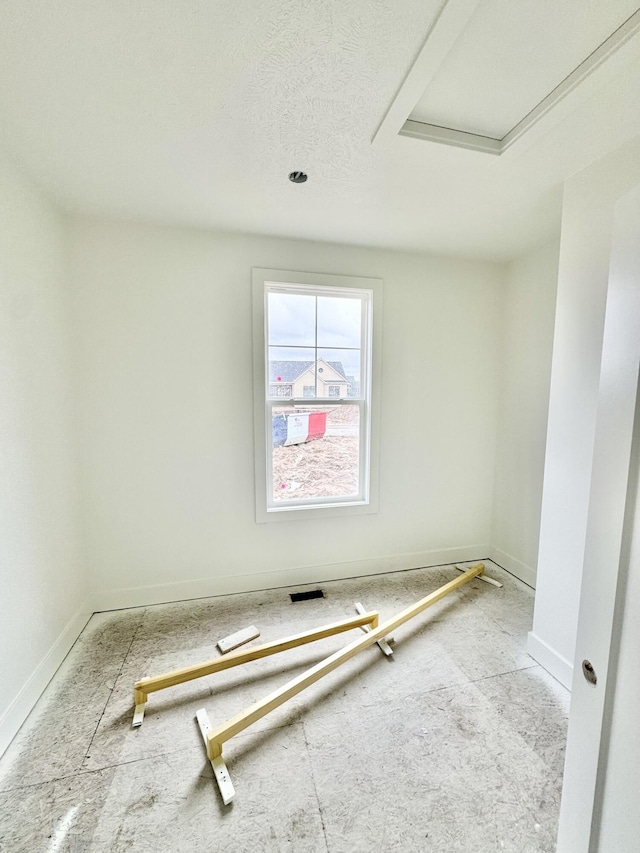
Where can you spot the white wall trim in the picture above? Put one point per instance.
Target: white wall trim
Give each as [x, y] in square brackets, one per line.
[21, 706]
[553, 662]
[19, 709]
[513, 566]
[300, 575]
[453, 17]
[591, 69]
[370, 291]
[601, 65]
[450, 136]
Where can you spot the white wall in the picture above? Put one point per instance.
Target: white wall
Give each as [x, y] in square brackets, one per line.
[583, 278]
[165, 348]
[527, 340]
[609, 594]
[43, 604]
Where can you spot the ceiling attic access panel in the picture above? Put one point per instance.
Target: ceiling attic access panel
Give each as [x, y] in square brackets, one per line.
[489, 70]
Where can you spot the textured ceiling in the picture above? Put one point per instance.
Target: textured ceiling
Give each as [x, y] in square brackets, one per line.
[193, 113]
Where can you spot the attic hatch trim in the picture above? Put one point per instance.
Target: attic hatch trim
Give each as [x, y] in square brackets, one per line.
[602, 64]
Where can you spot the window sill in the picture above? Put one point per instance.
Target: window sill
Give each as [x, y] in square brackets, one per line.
[307, 513]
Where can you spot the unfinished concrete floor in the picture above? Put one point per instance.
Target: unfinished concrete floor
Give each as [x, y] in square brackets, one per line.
[456, 743]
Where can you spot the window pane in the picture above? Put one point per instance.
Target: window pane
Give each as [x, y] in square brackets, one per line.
[277, 389]
[344, 365]
[339, 321]
[315, 452]
[292, 320]
[292, 367]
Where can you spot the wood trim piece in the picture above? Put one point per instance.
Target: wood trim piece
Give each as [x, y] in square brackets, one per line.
[385, 643]
[220, 772]
[239, 638]
[145, 686]
[218, 735]
[485, 578]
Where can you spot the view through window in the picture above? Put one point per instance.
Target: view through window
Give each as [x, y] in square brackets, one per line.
[317, 354]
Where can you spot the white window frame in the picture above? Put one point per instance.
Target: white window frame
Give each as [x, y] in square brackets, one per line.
[369, 401]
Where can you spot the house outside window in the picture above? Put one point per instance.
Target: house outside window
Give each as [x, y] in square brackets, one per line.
[277, 390]
[315, 336]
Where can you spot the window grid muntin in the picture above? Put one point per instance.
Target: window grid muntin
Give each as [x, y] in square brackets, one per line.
[365, 297]
[363, 400]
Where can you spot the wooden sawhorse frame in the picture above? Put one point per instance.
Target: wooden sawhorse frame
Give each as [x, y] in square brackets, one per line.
[214, 737]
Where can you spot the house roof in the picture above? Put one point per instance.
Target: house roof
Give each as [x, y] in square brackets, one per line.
[289, 371]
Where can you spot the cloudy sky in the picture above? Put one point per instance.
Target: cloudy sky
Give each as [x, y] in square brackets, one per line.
[295, 319]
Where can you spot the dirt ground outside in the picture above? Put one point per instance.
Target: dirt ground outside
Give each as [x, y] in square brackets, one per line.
[325, 467]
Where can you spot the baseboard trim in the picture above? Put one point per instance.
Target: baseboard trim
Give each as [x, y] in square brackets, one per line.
[299, 576]
[22, 704]
[558, 666]
[514, 566]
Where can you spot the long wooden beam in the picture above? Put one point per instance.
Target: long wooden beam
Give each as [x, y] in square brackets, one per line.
[178, 676]
[218, 735]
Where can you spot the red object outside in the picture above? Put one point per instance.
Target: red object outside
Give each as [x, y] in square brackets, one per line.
[317, 425]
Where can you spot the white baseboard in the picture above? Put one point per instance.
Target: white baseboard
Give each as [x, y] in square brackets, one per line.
[140, 596]
[554, 663]
[20, 707]
[513, 566]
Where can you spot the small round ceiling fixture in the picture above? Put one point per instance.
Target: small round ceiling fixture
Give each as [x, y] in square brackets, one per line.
[298, 177]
